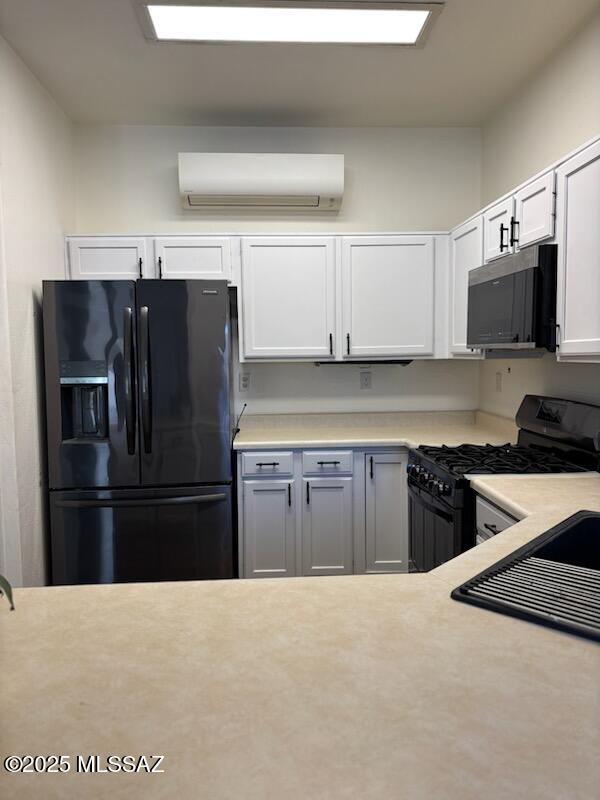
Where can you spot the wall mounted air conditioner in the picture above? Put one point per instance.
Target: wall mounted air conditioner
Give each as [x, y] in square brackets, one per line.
[302, 182]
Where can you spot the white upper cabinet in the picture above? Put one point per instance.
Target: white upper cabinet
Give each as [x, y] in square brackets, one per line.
[288, 297]
[193, 257]
[466, 253]
[534, 212]
[388, 296]
[496, 229]
[578, 237]
[327, 526]
[104, 258]
[521, 219]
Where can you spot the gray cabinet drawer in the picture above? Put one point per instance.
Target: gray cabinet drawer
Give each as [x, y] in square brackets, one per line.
[327, 462]
[268, 464]
[490, 520]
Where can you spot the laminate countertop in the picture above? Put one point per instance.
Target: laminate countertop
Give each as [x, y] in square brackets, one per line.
[377, 429]
[376, 686]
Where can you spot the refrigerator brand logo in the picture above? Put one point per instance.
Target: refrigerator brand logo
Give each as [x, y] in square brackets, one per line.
[210, 291]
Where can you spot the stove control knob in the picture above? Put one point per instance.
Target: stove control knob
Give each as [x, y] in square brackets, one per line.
[445, 489]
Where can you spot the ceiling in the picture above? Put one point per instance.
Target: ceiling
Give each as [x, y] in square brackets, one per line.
[93, 58]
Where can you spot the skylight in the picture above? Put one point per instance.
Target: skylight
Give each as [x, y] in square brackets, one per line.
[354, 23]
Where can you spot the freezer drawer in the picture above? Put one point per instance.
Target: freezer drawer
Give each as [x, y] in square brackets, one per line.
[129, 535]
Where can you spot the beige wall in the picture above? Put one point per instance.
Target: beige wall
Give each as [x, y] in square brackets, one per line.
[396, 178]
[557, 110]
[36, 182]
[543, 376]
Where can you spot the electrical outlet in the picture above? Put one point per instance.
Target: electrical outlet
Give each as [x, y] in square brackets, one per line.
[498, 381]
[244, 381]
[365, 380]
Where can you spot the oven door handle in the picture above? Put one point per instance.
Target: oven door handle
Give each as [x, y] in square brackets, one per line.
[447, 515]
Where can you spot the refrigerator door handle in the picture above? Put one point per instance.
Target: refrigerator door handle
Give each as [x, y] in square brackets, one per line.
[146, 501]
[145, 379]
[129, 380]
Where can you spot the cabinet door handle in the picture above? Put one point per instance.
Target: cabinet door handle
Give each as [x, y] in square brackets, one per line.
[140, 266]
[493, 528]
[503, 246]
[514, 224]
[322, 463]
[371, 467]
[267, 463]
[159, 267]
[331, 344]
[307, 493]
[348, 344]
[289, 494]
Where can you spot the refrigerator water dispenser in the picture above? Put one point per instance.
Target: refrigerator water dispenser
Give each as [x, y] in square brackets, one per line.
[84, 400]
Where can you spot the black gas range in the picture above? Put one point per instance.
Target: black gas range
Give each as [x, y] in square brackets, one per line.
[555, 436]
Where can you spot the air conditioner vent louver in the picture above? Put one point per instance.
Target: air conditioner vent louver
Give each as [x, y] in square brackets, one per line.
[261, 180]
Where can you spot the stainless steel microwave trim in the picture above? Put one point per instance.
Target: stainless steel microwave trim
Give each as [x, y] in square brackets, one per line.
[509, 265]
[508, 346]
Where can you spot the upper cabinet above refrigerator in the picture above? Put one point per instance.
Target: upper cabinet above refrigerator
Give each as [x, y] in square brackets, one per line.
[193, 257]
[107, 258]
[521, 219]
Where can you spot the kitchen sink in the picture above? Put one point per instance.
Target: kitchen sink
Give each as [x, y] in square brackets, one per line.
[553, 580]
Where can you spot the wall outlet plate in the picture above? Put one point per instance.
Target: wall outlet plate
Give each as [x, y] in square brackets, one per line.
[365, 379]
[244, 381]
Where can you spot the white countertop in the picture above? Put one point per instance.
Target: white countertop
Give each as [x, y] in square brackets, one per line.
[378, 429]
[363, 687]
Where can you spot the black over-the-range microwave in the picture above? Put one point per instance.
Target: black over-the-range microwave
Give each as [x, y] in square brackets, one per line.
[512, 302]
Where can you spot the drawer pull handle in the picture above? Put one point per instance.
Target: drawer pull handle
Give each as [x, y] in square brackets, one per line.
[323, 463]
[289, 494]
[267, 463]
[493, 528]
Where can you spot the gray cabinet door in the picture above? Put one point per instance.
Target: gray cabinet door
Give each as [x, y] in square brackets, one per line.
[386, 512]
[327, 526]
[269, 529]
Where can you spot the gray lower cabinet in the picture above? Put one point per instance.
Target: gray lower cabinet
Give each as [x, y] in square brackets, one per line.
[386, 521]
[269, 529]
[327, 526]
[318, 512]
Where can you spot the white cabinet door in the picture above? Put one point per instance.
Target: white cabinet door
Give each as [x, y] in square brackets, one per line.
[269, 529]
[386, 496]
[327, 527]
[534, 212]
[193, 257]
[466, 253]
[288, 297]
[578, 236]
[496, 229]
[388, 296]
[104, 258]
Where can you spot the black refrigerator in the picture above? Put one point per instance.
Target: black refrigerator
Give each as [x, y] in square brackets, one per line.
[139, 435]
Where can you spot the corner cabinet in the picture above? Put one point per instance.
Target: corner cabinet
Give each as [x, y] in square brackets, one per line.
[578, 238]
[388, 296]
[466, 253]
[335, 512]
[288, 298]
